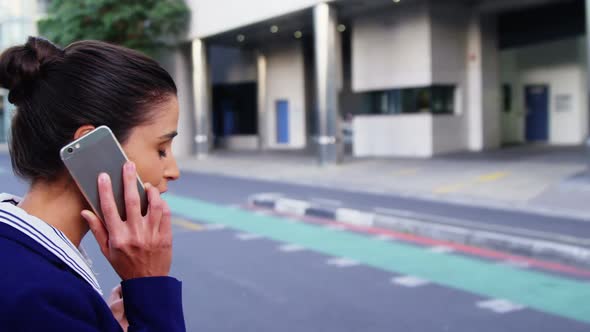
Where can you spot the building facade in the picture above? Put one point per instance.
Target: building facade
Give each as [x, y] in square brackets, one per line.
[386, 77]
[412, 78]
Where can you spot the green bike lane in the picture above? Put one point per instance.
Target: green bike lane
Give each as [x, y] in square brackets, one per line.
[546, 293]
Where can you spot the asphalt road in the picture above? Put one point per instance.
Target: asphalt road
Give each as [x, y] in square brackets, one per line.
[250, 271]
[232, 190]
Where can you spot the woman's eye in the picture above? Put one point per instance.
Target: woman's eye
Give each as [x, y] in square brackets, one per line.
[162, 153]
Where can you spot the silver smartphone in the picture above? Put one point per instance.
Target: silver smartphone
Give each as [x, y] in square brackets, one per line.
[95, 153]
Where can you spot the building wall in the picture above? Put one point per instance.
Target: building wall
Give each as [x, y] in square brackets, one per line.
[448, 134]
[212, 17]
[176, 62]
[392, 49]
[419, 44]
[384, 135]
[285, 80]
[408, 135]
[449, 66]
[562, 66]
[448, 42]
[490, 84]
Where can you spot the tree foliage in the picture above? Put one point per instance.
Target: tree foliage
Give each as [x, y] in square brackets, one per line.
[144, 25]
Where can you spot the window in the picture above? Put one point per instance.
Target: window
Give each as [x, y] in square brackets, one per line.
[436, 99]
[443, 100]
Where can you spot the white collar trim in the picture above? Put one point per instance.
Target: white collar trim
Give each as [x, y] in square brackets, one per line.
[48, 236]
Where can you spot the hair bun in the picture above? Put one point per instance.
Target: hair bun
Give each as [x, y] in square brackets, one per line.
[21, 65]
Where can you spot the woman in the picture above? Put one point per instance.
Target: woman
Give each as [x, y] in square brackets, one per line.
[62, 94]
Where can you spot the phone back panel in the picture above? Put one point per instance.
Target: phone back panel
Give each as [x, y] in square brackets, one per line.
[95, 153]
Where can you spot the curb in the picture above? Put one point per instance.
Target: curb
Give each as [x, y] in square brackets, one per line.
[405, 223]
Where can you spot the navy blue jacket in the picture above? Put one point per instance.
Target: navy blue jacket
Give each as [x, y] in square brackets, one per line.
[38, 292]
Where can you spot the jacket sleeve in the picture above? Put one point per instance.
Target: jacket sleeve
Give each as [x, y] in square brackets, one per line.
[62, 308]
[153, 304]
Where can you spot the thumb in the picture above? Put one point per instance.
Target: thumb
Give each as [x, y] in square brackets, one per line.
[98, 229]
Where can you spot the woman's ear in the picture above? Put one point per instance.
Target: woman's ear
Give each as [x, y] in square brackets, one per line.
[83, 130]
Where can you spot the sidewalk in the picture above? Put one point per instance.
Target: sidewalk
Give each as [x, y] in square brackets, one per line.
[539, 179]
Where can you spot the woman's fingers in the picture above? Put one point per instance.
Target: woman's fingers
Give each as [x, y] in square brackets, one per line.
[132, 200]
[111, 215]
[141, 246]
[155, 208]
[166, 222]
[98, 229]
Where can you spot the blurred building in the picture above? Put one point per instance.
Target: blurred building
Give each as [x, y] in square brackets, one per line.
[389, 77]
[18, 20]
[369, 77]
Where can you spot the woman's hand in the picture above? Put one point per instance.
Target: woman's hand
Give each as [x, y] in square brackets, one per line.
[141, 246]
[115, 302]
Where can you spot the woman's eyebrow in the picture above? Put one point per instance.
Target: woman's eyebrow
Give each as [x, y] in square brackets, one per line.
[169, 136]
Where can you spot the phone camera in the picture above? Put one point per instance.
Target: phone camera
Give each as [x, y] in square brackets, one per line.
[70, 150]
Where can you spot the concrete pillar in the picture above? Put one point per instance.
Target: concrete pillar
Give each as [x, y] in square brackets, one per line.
[261, 100]
[327, 118]
[474, 84]
[202, 98]
[176, 62]
[482, 90]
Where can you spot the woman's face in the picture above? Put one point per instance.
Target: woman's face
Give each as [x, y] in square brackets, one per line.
[150, 146]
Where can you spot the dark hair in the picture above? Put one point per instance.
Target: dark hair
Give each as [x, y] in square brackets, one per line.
[56, 91]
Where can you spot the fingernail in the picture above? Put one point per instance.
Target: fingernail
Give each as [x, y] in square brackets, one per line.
[85, 214]
[103, 177]
[147, 185]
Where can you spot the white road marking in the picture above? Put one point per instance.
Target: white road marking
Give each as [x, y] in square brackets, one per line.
[335, 227]
[248, 236]
[441, 249]
[409, 281]
[291, 247]
[499, 306]
[342, 262]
